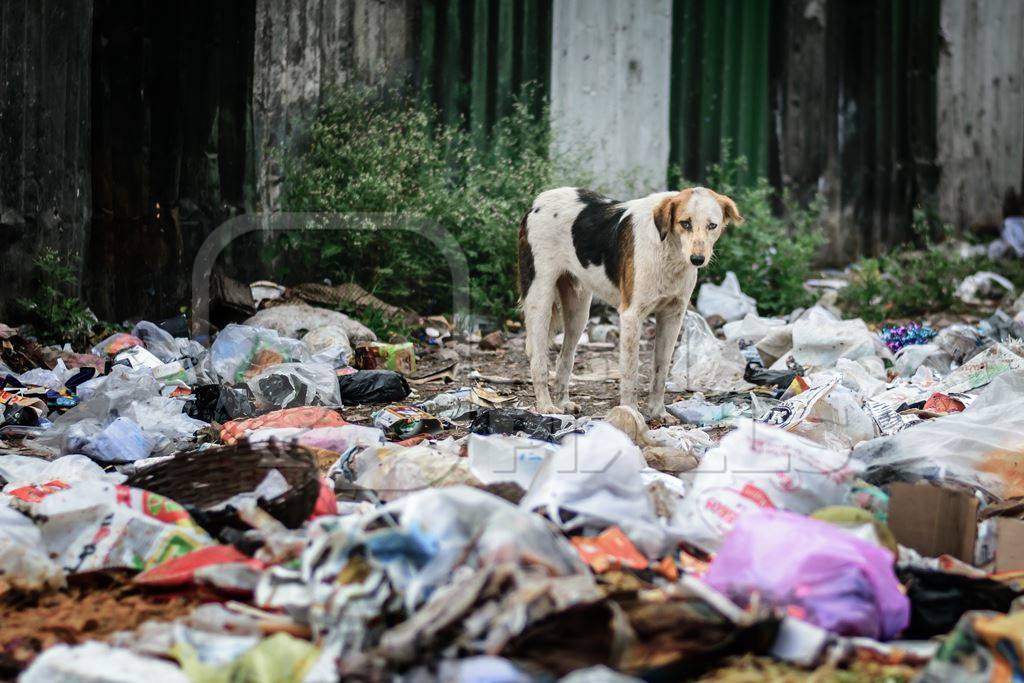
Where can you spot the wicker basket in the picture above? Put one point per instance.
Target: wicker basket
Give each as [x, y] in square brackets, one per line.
[199, 480]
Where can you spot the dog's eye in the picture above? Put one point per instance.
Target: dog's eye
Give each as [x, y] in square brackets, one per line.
[687, 225]
[712, 226]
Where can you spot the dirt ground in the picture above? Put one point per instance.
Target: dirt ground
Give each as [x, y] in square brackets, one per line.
[92, 607]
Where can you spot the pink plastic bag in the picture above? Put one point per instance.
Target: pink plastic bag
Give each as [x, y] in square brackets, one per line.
[815, 571]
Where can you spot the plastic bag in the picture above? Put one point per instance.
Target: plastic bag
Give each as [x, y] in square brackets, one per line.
[92, 525]
[22, 558]
[296, 320]
[23, 470]
[829, 578]
[819, 341]
[96, 662]
[241, 352]
[726, 300]
[116, 343]
[340, 439]
[759, 466]
[307, 416]
[698, 411]
[594, 480]
[395, 471]
[982, 447]
[373, 386]
[157, 341]
[498, 458]
[910, 358]
[703, 363]
[983, 287]
[752, 328]
[290, 385]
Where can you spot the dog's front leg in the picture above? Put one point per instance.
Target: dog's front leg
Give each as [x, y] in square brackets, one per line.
[629, 356]
[669, 322]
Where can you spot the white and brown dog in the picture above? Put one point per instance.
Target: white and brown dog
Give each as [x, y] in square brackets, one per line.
[640, 256]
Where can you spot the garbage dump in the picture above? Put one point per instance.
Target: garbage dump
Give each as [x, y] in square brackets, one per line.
[301, 501]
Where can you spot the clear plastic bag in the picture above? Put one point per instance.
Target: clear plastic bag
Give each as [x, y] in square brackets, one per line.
[289, 385]
[981, 447]
[819, 341]
[241, 352]
[703, 362]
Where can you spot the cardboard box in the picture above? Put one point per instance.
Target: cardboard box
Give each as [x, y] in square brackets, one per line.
[1009, 544]
[934, 521]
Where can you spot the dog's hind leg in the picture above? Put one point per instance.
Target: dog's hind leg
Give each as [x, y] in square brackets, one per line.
[537, 306]
[575, 300]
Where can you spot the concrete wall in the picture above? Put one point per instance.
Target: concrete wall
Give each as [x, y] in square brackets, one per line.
[303, 49]
[610, 84]
[980, 110]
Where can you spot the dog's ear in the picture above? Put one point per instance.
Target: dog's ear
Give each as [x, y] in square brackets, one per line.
[729, 211]
[665, 216]
[665, 212]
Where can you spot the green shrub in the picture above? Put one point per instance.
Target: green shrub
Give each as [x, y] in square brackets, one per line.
[385, 152]
[911, 281]
[771, 254]
[57, 315]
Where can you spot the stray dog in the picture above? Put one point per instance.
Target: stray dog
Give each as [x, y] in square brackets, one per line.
[640, 256]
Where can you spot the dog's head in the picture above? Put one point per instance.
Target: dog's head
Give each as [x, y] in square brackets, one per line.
[696, 217]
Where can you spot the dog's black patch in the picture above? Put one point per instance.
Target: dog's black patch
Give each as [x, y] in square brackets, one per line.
[526, 268]
[597, 230]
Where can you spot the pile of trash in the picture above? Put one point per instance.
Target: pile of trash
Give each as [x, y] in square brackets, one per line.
[300, 501]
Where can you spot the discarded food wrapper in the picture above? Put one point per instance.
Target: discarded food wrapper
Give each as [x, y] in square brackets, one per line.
[380, 356]
[982, 369]
[698, 411]
[611, 549]
[830, 577]
[91, 525]
[402, 422]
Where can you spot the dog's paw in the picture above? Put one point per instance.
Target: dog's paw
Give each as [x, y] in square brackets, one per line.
[661, 416]
[568, 407]
[548, 409]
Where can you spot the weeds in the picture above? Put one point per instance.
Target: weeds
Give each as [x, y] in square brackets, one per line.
[56, 315]
[387, 153]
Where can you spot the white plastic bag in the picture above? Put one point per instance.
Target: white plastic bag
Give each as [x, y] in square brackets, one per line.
[819, 341]
[23, 560]
[758, 466]
[497, 458]
[703, 362]
[95, 662]
[594, 480]
[725, 300]
[984, 286]
[752, 328]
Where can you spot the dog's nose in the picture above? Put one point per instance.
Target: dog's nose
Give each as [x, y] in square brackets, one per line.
[697, 260]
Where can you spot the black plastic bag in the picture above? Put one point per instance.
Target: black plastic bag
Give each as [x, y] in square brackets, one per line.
[938, 599]
[513, 420]
[372, 386]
